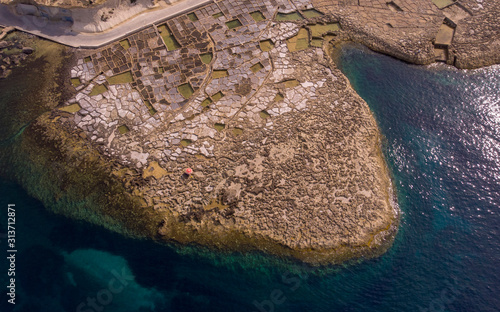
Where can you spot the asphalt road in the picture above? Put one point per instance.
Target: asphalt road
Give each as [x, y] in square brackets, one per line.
[61, 32]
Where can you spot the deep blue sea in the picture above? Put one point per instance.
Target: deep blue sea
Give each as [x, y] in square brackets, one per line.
[442, 143]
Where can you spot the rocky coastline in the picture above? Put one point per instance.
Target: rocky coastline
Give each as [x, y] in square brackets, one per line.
[12, 53]
[286, 156]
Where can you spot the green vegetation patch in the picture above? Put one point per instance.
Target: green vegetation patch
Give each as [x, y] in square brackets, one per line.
[125, 44]
[298, 42]
[73, 108]
[278, 98]
[233, 24]
[217, 96]
[161, 70]
[294, 16]
[185, 90]
[266, 45]
[192, 17]
[12, 36]
[311, 13]
[316, 42]
[206, 102]
[217, 15]
[75, 82]
[237, 131]
[185, 142]
[264, 114]
[206, 58]
[123, 129]
[125, 77]
[219, 126]
[256, 67]
[150, 107]
[319, 30]
[87, 59]
[292, 83]
[442, 3]
[12, 51]
[257, 16]
[168, 38]
[219, 73]
[98, 89]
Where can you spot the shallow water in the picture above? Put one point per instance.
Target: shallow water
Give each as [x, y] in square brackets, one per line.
[443, 146]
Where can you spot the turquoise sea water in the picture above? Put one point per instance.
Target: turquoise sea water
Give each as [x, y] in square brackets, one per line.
[442, 129]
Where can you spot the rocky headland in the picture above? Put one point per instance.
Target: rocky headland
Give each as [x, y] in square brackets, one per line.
[286, 157]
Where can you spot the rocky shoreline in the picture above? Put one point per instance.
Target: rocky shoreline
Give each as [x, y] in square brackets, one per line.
[411, 31]
[286, 156]
[12, 53]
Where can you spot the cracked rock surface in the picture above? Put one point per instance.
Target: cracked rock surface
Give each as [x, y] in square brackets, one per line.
[286, 156]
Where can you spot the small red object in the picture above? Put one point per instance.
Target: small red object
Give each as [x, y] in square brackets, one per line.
[189, 170]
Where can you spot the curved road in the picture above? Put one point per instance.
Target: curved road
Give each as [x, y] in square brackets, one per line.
[60, 31]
